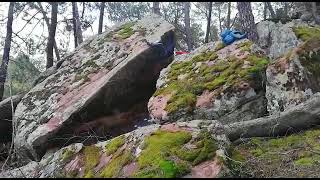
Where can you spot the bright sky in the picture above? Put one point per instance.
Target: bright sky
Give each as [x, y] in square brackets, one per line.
[41, 29]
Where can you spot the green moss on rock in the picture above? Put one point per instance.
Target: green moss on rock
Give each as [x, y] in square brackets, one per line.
[228, 72]
[305, 33]
[154, 160]
[91, 155]
[115, 144]
[67, 153]
[126, 30]
[116, 164]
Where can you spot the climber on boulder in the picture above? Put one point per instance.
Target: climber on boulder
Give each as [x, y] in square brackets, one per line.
[229, 36]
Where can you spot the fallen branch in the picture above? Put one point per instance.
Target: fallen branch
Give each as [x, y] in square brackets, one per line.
[301, 117]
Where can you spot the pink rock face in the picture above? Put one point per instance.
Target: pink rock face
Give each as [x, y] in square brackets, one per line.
[74, 165]
[87, 76]
[204, 100]
[156, 106]
[129, 169]
[207, 169]
[173, 127]
[104, 160]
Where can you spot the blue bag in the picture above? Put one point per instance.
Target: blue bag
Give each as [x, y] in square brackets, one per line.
[228, 36]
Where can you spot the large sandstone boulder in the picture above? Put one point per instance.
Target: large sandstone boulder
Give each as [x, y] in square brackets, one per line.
[276, 38]
[198, 148]
[112, 70]
[213, 82]
[294, 77]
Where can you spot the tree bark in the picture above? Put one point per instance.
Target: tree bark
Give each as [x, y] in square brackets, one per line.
[46, 19]
[229, 14]
[273, 15]
[314, 12]
[187, 25]
[6, 50]
[78, 34]
[247, 20]
[52, 34]
[219, 17]
[101, 17]
[74, 23]
[301, 117]
[265, 11]
[156, 8]
[208, 23]
[286, 9]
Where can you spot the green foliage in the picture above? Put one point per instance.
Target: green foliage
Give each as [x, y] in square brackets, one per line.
[126, 11]
[22, 73]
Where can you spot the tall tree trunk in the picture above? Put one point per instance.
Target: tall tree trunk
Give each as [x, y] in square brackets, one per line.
[101, 17]
[314, 12]
[156, 8]
[273, 15]
[6, 51]
[46, 19]
[265, 11]
[286, 9]
[187, 25]
[219, 17]
[229, 14]
[208, 23]
[52, 34]
[74, 23]
[247, 20]
[77, 23]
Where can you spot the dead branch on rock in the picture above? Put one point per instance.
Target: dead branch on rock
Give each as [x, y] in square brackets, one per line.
[298, 118]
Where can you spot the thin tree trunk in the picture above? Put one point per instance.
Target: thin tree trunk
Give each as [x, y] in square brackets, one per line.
[156, 8]
[208, 23]
[286, 9]
[187, 25]
[273, 15]
[229, 14]
[314, 12]
[6, 50]
[247, 20]
[101, 17]
[46, 19]
[77, 22]
[265, 11]
[219, 17]
[52, 34]
[74, 23]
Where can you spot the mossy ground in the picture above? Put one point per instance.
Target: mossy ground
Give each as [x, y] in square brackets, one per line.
[297, 155]
[227, 72]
